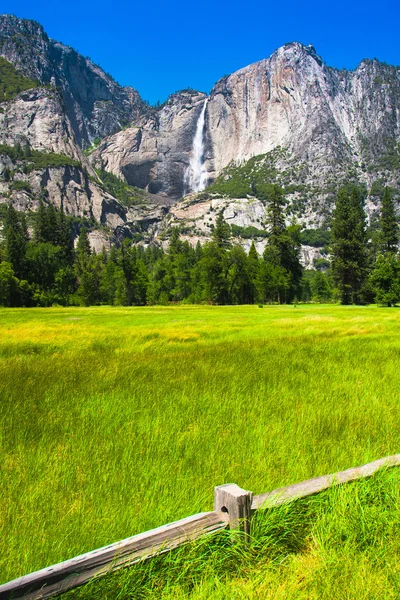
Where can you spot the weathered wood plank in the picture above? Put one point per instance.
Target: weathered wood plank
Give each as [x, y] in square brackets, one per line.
[69, 574]
[318, 484]
[64, 576]
[236, 503]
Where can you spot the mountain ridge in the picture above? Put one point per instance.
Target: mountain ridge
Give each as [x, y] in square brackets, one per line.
[317, 125]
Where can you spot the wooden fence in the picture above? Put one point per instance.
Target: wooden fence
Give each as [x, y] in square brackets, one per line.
[233, 508]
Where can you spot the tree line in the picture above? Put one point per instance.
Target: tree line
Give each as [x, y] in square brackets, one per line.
[44, 268]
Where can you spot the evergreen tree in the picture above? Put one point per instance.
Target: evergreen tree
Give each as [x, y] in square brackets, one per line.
[238, 279]
[282, 253]
[89, 281]
[252, 269]
[64, 285]
[44, 260]
[41, 232]
[385, 276]
[214, 264]
[8, 285]
[221, 233]
[389, 231]
[321, 290]
[385, 279]
[64, 238]
[109, 280]
[349, 245]
[135, 273]
[83, 252]
[16, 234]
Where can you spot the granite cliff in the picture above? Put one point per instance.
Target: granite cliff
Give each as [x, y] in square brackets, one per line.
[288, 119]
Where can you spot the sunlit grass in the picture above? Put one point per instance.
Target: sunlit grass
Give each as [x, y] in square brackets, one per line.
[117, 420]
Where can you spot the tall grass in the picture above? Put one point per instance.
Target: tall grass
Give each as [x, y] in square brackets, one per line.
[343, 543]
[116, 420]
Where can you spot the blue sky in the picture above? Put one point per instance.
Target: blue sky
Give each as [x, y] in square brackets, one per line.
[161, 47]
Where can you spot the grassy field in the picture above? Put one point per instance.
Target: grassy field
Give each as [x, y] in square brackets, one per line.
[116, 420]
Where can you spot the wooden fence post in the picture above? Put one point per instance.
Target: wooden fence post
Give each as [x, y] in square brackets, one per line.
[231, 499]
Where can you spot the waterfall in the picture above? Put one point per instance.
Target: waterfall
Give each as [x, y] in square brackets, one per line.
[196, 174]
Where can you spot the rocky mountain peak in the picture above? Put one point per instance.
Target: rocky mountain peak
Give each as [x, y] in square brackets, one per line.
[287, 119]
[96, 105]
[11, 25]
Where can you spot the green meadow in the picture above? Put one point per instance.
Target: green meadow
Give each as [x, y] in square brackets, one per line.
[117, 420]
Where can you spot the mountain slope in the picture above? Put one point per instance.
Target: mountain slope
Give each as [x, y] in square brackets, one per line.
[287, 119]
[333, 121]
[95, 104]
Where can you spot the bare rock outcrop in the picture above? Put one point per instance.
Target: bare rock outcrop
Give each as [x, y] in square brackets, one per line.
[155, 153]
[95, 104]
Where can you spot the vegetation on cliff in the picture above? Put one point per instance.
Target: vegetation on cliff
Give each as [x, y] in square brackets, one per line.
[33, 160]
[128, 195]
[13, 83]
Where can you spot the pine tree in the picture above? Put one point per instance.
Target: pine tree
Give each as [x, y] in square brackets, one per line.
[385, 279]
[282, 253]
[389, 231]
[222, 232]
[135, 273]
[83, 252]
[64, 238]
[238, 280]
[214, 264]
[252, 269]
[40, 230]
[349, 244]
[16, 234]
[275, 214]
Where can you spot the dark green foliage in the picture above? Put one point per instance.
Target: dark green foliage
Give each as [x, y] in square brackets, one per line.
[46, 160]
[13, 83]
[389, 229]
[126, 194]
[20, 186]
[44, 261]
[46, 269]
[321, 264]
[8, 285]
[135, 276]
[248, 232]
[385, 275]
[318, 238]
[16, 239]
[246, 180]
[37, 159]
[221, 233]
[283, 270]
[349, 245]
[385, 279]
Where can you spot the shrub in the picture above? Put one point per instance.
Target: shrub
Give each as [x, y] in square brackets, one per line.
[318, 238]
[21, 186]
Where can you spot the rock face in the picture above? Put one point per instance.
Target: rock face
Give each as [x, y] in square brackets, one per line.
[95, 104]
[327, 118]
[333, 125]
[37, 117]
[317, 127]
[155, 152]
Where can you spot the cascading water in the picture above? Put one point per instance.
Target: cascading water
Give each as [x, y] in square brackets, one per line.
[196, 174]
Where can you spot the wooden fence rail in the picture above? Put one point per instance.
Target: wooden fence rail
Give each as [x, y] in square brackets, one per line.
[233, 508]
